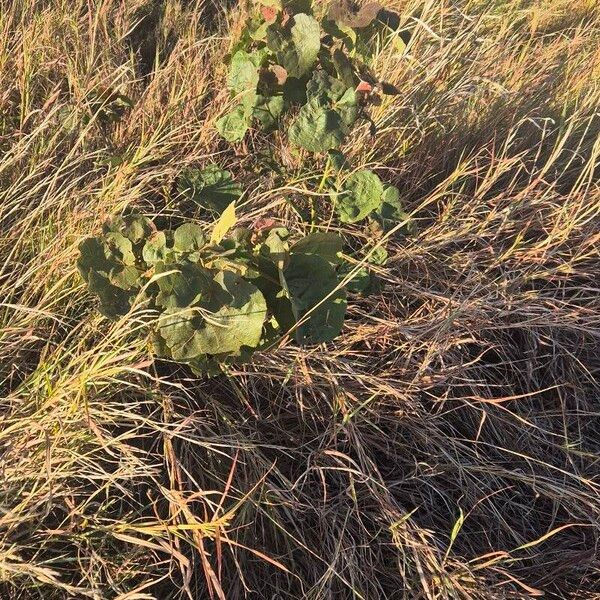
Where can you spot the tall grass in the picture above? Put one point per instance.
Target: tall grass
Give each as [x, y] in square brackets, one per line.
[445, 446]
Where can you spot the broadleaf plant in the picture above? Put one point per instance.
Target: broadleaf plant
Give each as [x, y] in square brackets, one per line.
[362, 194]
[290, 57]
[211, 188]
[217, 301]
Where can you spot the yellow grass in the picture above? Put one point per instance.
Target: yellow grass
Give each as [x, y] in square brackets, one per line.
[445, 446]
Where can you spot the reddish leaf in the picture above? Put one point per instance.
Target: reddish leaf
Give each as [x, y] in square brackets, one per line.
[280, 73]
[263, 223]
[269, 13]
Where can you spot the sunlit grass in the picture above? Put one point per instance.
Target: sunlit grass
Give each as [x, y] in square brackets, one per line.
[445, 446]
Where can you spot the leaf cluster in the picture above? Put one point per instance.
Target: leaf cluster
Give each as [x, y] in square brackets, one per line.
[222, 297]
[289, 56]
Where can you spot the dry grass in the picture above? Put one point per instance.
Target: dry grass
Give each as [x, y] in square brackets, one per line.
[445, 446]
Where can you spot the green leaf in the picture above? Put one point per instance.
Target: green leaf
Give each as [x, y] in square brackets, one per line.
[243, 72]
[269, 283]
[227, 322]
[324, 87]
[361, 280]
[181, 285]
[118, 248]
[188, 238]
[324, 121]
[276, 4]
[327, 245]
[296, 47]
[107, 264]
[155, 249]
[114, 301]
[347, 107]
[344, 68]
[226, 221]
[361, 194]
[346, 34]
[134, 227]
[137, 228]
[177, 330]
[276, 247]
[267, 110]
[234, 125]
[334, 93]
[338, 161]
[306, 37]
[317, 128]
[211, 187]
[294, 90]
[392, 212]
[378, 256]
[238, 323]
[93, 258]
[125, 277]
[310, 279]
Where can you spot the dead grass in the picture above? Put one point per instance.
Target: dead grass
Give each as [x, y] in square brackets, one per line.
[445, 446]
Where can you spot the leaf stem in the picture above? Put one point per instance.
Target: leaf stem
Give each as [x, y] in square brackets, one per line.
[313, 210]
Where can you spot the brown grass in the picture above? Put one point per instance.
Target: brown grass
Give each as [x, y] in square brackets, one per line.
[445, 446]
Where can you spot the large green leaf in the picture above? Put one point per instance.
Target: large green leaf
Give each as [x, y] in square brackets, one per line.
[297, 45]
[325, 87]
[361, 194]
[126, 277]
[267, 110]
[310, 279]
[177, 329]
[275, 246]
[211, 187]
[222, 323]
[239, 322]
[327, 245]
[114, 301]
[317, 128]
[344, 68]
[108, 265]
[93, 258]
[244, 71]
[134, 227]
[155, 249]
[361, 280]
[112, 257]
[118, 248]
[181, 284]
[188, 238]
[324, 121]
[334, 93]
